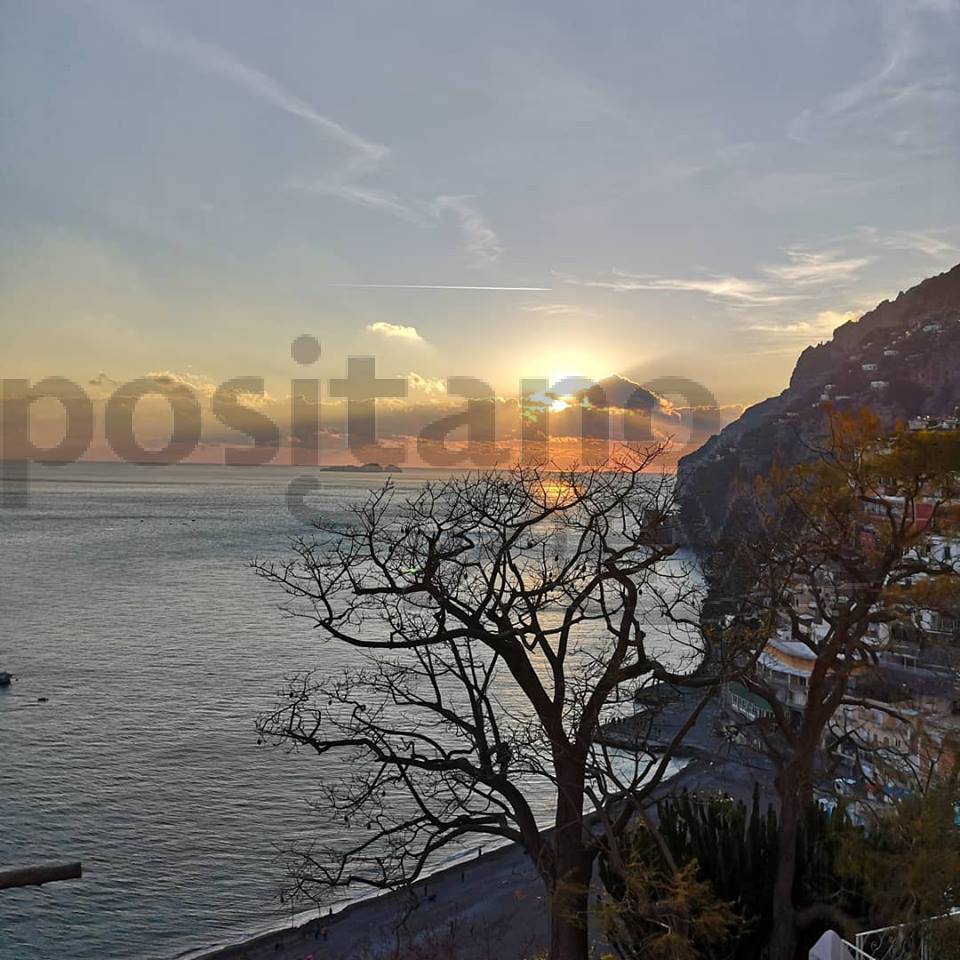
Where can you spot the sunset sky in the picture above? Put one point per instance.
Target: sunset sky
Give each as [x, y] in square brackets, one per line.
[493, 190]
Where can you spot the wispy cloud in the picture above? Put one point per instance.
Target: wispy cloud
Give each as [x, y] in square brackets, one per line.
[364, 156]
[903, 99]
[153, 33]
[930, 243]
[381, 200]
[816, 267]
[825, 322]
[436, 286]
[717, 287]
[795, 280]
[394, 330]
[553, 309]
[480, 240]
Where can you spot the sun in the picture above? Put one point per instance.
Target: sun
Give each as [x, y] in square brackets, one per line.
[564, 386]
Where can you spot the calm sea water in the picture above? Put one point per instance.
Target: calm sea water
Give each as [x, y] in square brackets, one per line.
[126, 603]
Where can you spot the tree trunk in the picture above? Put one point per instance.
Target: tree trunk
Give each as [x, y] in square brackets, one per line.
[794, 788]
[569, 910]
[573, 864]
[783, 937]
[569, 934]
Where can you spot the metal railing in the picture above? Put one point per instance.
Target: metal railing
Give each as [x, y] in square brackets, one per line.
[901, 941]
[856, 953]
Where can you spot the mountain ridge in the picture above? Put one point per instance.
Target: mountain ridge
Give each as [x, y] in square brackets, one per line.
[900, 359]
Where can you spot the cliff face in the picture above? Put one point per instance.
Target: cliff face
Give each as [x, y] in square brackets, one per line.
[902, 360]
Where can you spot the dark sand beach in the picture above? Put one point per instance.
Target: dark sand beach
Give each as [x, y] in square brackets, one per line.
[489, 907]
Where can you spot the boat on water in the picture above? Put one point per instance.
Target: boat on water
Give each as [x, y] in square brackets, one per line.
[5, 679]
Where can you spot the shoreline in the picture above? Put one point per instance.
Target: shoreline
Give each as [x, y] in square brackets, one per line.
[376, 914]
[498, 893]
[499, 890]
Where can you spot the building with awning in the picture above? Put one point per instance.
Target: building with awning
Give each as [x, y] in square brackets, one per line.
[747, 703]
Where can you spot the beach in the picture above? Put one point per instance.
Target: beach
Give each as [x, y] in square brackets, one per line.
[486, 908]
[490, 907]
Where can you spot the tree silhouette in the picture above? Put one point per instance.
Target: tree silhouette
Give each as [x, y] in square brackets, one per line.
[495, 619]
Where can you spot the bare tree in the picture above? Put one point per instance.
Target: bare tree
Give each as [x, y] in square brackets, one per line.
[836, 555]
[495, 618]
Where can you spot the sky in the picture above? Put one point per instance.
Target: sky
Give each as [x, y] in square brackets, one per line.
[497, 190]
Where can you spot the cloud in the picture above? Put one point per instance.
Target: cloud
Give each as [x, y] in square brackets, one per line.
[825, 322]
[432, 386]
[902, 100]
[394, 330]
[435, 286]
[930, 243]
[205, 388]
[152, 32]
[717, 287]
[776, 284]
[553, 309]
[364, 155]
[812, 267]
[480, 240]
[168, 378]
[381, 200]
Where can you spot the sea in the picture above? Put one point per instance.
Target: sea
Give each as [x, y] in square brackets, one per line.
[143, 648]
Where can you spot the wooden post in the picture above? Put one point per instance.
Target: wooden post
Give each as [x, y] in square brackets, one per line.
[37, 876]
